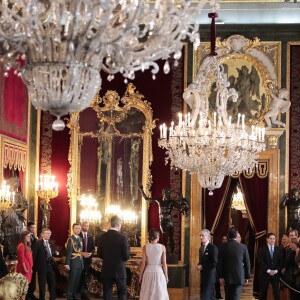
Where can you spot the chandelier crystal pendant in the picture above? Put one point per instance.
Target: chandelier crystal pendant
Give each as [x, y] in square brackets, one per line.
[66, 44]
[209, 143]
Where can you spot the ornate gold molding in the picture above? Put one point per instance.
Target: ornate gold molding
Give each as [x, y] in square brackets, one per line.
[251, 65]
[111, 111]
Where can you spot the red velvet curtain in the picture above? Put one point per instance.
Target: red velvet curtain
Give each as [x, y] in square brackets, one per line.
[213, 207]
[255, 191]
[14, 107]
[222, 226]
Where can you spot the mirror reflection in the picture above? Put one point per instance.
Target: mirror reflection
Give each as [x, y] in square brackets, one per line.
[110, 155]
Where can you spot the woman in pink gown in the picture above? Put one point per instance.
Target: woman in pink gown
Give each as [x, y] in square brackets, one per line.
[154, 270]
[24, 254]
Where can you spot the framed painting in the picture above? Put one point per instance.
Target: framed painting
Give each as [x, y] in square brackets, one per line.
[253, 69]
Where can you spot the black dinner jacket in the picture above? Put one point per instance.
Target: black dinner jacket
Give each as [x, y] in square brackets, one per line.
[209, 260]
[39, 253]
[90, 246]
[267, 263]
[114, 249]
[3, 267]
[33, 239]
[234, 263]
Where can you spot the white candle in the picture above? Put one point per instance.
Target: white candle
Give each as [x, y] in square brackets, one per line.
[160, 128]
[157, 4]
[238, 122]
[165, 131]
[180, 119]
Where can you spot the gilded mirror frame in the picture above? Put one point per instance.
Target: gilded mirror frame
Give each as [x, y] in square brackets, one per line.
[104, 106]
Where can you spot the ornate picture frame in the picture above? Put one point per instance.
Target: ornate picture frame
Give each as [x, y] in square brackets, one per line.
[252, 66]
[112, 137]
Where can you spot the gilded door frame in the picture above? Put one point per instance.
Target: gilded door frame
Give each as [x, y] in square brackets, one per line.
[272, 156]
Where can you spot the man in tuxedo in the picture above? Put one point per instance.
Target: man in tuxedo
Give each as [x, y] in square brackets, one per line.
[208, 258]
[114, 250]
[31, 227]
[270, 261]
[74, 262]
[88, 248]
[42, 264]
[233, 266]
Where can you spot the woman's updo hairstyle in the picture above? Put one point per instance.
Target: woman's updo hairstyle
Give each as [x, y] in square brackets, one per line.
[153, 235]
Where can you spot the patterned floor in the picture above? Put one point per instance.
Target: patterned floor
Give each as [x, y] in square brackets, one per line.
[246, 295]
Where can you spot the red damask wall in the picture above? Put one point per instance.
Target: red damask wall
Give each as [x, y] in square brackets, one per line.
[13, 107]
[294, 160]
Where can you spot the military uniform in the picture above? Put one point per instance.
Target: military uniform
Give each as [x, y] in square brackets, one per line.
[75, 262]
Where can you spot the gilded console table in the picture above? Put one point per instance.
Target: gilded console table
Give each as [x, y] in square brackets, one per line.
[94, 279]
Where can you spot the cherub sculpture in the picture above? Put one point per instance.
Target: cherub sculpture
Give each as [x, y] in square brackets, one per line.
[279, 104]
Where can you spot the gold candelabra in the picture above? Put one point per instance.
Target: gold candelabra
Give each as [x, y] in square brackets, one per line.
[47, 189]
[7, 197]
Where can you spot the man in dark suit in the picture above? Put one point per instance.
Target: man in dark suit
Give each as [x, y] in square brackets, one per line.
[208, 258]
[31, 227]
[74, 262]
[3, 267]
[270, 261]
[233, 266]
[114, 249]
[87, 252]
[42, 260]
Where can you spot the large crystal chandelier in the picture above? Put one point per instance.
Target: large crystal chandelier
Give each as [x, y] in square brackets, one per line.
[67, 42]
[206, 143]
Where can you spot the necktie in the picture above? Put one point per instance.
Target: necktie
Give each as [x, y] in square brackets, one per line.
[202, 249]
[49, 254]
[84, 242]
[271, 251]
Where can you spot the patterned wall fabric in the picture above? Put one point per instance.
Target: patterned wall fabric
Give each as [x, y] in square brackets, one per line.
[13, 107]
[294, 159]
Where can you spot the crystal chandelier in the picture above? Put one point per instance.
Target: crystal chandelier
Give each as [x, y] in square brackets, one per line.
[128, 216]
[7, 197]
[89, 212]
[67, 42]
[207, 143]
[238, 203]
